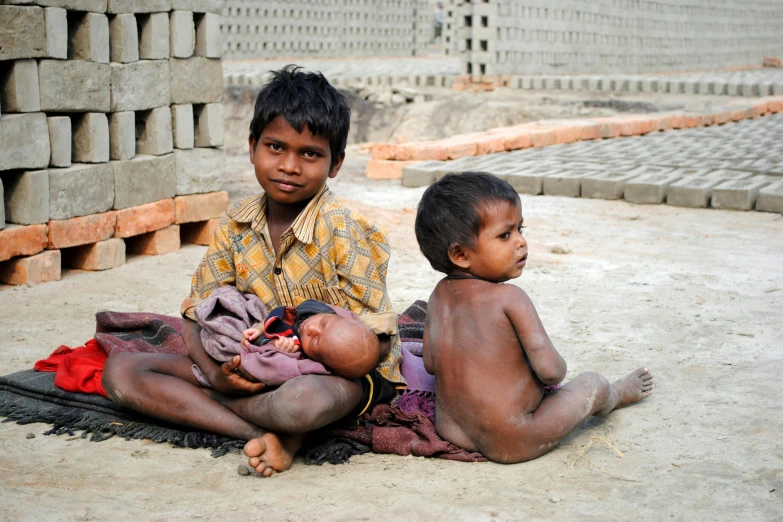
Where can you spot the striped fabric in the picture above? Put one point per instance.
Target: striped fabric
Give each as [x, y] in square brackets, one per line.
[328, 254]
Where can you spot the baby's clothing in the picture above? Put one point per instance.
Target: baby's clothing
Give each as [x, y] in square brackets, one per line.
[226, 313]
[284, 321]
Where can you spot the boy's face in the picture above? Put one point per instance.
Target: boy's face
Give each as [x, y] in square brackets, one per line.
[499, 253]
[292, 167]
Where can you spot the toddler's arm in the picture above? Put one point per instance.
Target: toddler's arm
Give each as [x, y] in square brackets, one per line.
[547, 363]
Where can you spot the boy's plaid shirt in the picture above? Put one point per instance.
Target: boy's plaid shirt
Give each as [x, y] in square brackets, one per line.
[328, 254]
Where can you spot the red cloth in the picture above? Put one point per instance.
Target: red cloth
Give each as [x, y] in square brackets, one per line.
[78, 370]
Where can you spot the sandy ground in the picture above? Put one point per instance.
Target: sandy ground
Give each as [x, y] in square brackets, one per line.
[695, 294]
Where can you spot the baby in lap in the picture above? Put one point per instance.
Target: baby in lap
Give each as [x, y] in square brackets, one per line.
[493, 362]
[312, 338]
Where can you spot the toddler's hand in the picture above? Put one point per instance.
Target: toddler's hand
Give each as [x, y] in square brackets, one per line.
[248, 336]
[285, 344]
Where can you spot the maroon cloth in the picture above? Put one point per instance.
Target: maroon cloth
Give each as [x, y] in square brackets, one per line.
[139, 332]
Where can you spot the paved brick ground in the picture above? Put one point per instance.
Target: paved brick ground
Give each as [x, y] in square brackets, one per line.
[755, 82]
[251, 72]
[736, 166]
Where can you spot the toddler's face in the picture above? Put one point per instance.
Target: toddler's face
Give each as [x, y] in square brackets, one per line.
[499, 253]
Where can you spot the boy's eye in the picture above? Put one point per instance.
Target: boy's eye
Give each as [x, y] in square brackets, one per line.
[505, 235]
[310, 154]
[275, 147]
[521, 228]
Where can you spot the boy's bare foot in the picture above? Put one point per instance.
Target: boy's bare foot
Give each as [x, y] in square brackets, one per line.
[270, 453]
[633, 387]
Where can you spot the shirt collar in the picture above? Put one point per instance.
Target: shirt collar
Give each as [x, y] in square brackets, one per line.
[254, 212]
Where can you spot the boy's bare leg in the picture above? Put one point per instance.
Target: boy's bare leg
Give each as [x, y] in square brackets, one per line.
[163, 386]
[300, 405]
[562, 411]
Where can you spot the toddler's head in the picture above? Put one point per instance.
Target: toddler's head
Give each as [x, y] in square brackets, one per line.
[471, 224]
[345, 346]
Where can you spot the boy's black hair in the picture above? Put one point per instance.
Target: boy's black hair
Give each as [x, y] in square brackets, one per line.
[304, 98]
[450, 212]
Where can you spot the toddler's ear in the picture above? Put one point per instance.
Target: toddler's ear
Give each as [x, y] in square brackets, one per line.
[458, 256]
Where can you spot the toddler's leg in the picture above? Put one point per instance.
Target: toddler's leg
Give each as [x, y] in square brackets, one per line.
[562, 411]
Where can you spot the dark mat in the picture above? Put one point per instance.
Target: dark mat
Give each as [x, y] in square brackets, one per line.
[27, 397]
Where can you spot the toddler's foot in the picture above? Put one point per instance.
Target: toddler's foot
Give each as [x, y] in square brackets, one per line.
[270, 453]
[633, 387]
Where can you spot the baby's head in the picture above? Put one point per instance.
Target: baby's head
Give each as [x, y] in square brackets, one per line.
[471, 224]
[345, 346]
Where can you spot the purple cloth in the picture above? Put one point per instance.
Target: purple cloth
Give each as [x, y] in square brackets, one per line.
[413, 369]
[223, 316]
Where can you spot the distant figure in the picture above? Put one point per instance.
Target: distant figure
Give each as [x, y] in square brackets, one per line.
[437, 23]
[497, 374]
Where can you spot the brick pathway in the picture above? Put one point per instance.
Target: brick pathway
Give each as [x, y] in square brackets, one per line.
[734, 166]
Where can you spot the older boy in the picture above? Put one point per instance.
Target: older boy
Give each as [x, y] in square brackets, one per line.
[295, 242]
[483, 340]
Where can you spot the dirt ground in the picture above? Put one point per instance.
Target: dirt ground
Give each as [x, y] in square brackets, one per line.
[697, 295]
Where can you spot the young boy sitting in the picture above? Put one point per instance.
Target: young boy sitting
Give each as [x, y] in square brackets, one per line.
[483, 340]
[292, 243]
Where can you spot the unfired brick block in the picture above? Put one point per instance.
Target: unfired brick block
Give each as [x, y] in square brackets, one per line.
[88, 37]
[182, 34]
[606, 185]
[738, 194]
[141, 85]
[650, 188]
[56, 32]
[93, 6]
[209, 129]
[138, 6]
[199, 170]
[122, 135]
[90, 138]
[80, 190]
[143, 179]
[771, 198]
[196, 80]
[25, 141]
[19, 86]
[154, 39]
[27, 197]
[74, 86]
[692, 192]
[153, 129]
[22, 32]
[209, 42]
[182, 124]
[124, 38]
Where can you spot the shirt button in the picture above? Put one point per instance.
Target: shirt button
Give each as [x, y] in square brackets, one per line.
[278, 270]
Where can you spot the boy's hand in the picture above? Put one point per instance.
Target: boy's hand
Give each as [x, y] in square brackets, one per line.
[285, 344]
[227, 381]
[248, 336]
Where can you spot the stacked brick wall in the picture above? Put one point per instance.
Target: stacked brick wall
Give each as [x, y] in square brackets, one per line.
[111, 128]
[499, 37]
[329, 28]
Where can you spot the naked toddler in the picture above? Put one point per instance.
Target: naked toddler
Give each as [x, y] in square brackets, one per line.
[483, 340]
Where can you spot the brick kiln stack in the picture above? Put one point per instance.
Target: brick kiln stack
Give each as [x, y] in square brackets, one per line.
[111, 130]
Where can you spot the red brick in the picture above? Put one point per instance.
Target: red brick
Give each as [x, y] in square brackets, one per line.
[460, 148]
[161, 241]
[519, 139]
[590, 131]
[81, 230]
[425, 151]
[741, 114]
[678, 121]
[200, 207]
[144, 218]
[775, 104]
[760, 109]
[542, 138]
[489, 143]
[17, 240]
[722, 117]
[384, 151]
[102, 255]
[385, 169]
[199, 233]
[662, 122]
[567, 134]
[40, 268]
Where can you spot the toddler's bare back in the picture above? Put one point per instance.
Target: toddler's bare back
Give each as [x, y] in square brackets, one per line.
[485, 386]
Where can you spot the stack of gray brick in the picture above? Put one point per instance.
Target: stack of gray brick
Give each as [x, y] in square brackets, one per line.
[107, 104]
[334, 28]
[507, 37]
